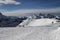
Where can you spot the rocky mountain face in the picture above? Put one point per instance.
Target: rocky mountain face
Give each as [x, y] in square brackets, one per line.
[10, 21]
[40, 15]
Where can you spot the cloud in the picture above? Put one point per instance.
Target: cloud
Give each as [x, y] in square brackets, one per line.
[9, 2]
[24, 11]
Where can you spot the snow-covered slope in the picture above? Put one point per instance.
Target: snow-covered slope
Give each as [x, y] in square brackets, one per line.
[41, 22]
[33, 32]
[37, 22]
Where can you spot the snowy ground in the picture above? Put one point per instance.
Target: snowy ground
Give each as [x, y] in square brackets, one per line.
[42, 22]
[33, 31]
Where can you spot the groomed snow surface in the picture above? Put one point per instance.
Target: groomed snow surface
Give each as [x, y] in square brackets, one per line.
[37, 29]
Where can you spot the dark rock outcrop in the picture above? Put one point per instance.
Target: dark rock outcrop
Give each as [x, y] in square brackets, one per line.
[10, 21]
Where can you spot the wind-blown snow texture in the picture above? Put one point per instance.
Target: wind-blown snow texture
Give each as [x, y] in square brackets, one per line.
[37, 32]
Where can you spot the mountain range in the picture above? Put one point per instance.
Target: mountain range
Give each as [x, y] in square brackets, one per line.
[9, 21]
[13, 21]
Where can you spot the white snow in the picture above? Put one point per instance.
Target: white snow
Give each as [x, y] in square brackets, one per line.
[34, 31]
[37, 22]
[40, 22]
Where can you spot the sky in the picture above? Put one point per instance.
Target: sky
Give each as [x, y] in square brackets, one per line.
[29, 6]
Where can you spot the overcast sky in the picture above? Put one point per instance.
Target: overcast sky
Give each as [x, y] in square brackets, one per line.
[29, 6]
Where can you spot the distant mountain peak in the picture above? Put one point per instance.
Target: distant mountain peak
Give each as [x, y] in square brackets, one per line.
[0, 13]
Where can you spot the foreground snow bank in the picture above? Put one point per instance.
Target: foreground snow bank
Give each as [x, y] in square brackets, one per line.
[30, 33]
[14, 33]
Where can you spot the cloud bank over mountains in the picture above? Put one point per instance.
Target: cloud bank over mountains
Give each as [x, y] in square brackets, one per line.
[24, 11]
